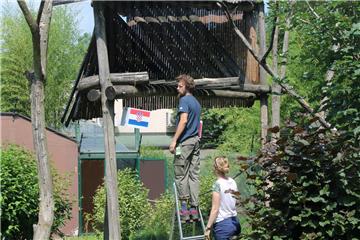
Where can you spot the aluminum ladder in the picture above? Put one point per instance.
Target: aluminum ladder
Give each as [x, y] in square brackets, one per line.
[177, 213]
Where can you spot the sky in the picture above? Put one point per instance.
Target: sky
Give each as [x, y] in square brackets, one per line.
[84, 9]
[86, 16]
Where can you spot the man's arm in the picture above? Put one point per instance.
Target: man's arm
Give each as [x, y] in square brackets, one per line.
[179, 130]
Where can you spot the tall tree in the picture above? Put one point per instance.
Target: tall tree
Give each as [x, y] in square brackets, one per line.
[39, 28]
[66, 50]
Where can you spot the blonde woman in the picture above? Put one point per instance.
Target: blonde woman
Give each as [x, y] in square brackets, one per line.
[223, 215]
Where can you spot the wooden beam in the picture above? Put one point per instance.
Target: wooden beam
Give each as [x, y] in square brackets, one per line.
[231, 94]
[275, 89]
[126, 91]
[264, 118]
[108, 121]
[115, 78]
[233, 83]
[252, 88]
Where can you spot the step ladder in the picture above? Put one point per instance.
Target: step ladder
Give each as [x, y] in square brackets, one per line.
[177, 215]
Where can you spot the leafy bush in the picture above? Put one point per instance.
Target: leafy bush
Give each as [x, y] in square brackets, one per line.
[134, 206]
[19, 197]
[307, 186]
[158, 224]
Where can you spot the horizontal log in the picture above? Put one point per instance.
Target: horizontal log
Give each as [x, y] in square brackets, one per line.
[126, 91]
[234, 83]
[230, 94]
[203, 81]
[115, 78]
[252, 88]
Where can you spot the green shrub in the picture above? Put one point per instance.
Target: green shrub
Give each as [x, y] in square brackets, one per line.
[307, 187]
[19, 197]
[158, 224]
[134, 206]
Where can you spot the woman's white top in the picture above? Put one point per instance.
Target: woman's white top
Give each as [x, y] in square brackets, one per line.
[227, 202]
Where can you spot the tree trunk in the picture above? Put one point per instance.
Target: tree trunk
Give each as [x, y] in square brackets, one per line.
[39, 30]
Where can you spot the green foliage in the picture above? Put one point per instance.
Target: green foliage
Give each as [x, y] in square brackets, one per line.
[205, 195]
[232, 129]
[158, 224]
[66, 50]
[307, 182]
[19, 197]
[134, 206]
[307, 186]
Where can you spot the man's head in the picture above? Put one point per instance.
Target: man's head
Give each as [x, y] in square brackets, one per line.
[186, 84]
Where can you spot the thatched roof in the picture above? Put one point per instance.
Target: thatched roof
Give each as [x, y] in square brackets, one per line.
[156, 41]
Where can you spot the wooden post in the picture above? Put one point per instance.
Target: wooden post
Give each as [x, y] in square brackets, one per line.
[108, 122]
[263, 97]
[276, 89]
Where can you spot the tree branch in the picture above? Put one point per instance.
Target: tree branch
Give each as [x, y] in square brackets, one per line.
[286, 41]
[312, 10]
[286, 88]
[41, 9]
[263, 59]
[275, 22]
[28, 16]
[44, 24]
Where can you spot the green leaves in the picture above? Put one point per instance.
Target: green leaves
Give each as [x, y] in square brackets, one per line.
[19, 197]
[66, 50]
[134, 206]
[311, 177]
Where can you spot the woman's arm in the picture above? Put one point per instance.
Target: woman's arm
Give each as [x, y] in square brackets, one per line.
[215, 205]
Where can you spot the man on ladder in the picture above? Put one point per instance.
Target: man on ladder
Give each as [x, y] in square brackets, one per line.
[185, 146]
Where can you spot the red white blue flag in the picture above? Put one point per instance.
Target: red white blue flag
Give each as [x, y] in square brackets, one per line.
[137, 118]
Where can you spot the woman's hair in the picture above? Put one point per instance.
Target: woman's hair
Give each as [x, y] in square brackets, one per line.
[221, 165]
[188, 80]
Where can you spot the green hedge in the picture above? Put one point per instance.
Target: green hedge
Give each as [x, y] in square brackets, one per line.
[134, 206]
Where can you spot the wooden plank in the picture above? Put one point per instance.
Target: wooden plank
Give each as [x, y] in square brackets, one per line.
[108, 121]
[115, 78]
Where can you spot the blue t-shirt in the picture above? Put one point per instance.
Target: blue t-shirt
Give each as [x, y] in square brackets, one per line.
[188, 104]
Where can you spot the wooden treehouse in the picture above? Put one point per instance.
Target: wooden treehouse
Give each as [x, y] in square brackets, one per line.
[148, 44]
[139, 47]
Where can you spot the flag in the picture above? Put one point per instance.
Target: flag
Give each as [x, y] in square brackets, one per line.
[137, 118]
